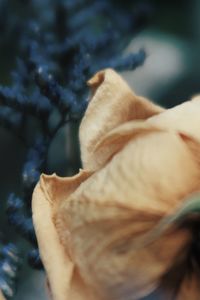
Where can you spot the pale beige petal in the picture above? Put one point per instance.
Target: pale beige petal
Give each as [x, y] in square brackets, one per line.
[190, 287]
[131, 177]
[57, 262]
[183, 118]
[94, 230]
[58, 188]
[182, 281]
[146, 180]
[112, 104]
[80, 290]
[1, 296]
[111, 258]
[121, 269]
[117, 138]
[105, 248]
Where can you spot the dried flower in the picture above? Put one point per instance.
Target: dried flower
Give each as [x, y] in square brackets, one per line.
[123, 227]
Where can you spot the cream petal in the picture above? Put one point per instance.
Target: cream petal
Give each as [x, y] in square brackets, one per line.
[182, 281]
[80, 290]
[117, 138]
[130, 178]
[190, 288]
[112, 104]
[57, 262]
[105, 248]
[1, 296]
[58, 188]
[111, 257]
[123, 200]
[100, 225]
[193, 145]
[183, 118]
[122, 270]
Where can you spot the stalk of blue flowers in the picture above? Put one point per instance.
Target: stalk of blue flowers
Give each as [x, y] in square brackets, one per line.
[59, 45]
[10, 263]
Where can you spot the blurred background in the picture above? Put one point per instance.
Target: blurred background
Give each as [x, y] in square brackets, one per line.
[169, 75]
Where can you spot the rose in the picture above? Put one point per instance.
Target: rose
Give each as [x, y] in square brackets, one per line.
[123, 226]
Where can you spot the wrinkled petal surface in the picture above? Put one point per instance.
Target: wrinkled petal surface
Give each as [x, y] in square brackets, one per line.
[64, 280]
[123, 201]
[112, 103]
[99, 231]
[183, 118]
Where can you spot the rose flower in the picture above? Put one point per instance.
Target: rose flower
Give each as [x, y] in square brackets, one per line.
[126, 225]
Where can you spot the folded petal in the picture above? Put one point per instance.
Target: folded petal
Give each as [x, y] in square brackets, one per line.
[183, 118]
[48, 194]
[117, 138]
[123, 268]
[112, 104]
[113, 257]
[181, 282]
[190, 288]
[109, 213]
[105, 225]
[155, 170]
[52, 253]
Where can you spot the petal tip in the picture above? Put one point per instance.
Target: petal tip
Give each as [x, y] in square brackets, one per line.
[99, 77]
